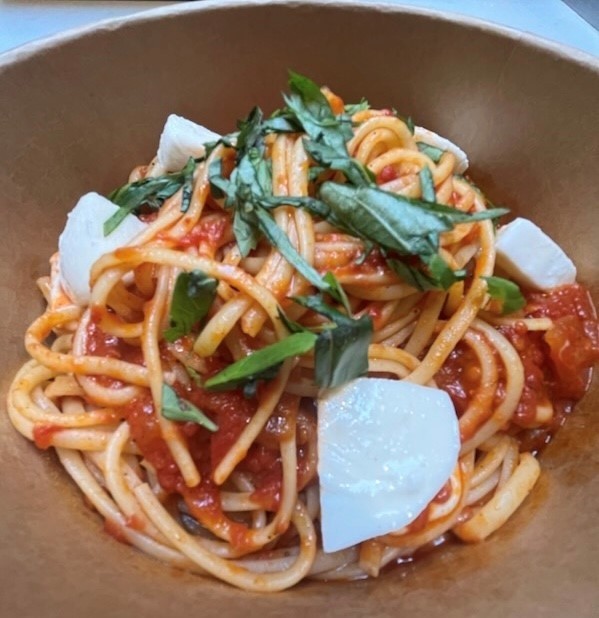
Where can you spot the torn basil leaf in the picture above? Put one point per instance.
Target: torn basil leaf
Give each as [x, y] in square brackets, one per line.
[433, 153]
[148, 192]
[427, 185]
[340, 353]
[507, 292]
[175, 408]
[192, 298]
[354, 108]
[395, 222]
[255, 365]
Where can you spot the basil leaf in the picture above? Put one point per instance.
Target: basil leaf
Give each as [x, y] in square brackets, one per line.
[187, 172]
[427, 185]
[192, 298]
[316, 303]
[250, 131]
[507, 292]
[177, 409]
[275, 235]
[250, 388]
[337, 291]
[409, 226]
[407, 120]
[251, 367]
[148, 191]
[194, 375]
[341, 353]
[328, 133]
[246, 232]
[339, 160]
[290, 325]
[412, 275]
[441, 273]
[354, 108]
[433, 153]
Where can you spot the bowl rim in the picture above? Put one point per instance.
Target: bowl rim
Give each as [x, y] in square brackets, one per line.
[560, 50]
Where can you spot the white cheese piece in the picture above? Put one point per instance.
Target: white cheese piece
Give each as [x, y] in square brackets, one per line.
[531, 258]
[432, 139]
[82, 242]
[181, 139]
[385, 449]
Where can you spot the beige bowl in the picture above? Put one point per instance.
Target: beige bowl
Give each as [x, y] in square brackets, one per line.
[78, 111]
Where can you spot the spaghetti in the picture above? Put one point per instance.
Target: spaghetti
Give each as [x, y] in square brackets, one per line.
[231, 489]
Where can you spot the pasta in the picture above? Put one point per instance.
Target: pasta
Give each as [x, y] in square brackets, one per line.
[251, 251]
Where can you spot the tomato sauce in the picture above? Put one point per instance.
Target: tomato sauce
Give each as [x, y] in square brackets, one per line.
[100, 343]
[43, 434]
[557, 363]
[231, 411]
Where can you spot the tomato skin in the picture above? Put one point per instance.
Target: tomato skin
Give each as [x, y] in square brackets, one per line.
[573, 340]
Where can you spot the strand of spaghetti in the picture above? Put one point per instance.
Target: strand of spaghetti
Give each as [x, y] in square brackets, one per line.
[483, 489]
[503, 504]
[514, 383]
[409, 542]
[451, 333]
[480, 404]
[220, 325]
[268, 400]
[403, 137]
[41, 328]
[425, 325]
[154, 316]
[133, 256]
[27, 379]
[95, 391]
[234, 572]
[118, 487]
[379, 336]
[196, 204]
[490, 462]
[298, 186]
[78, 471]
[276, 273]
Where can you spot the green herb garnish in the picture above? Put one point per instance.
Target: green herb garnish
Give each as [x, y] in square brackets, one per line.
[192, 298]
[176, 408]
[434, 154]
[151, 193]
[427, 185]
[507, 292]
[253, 367]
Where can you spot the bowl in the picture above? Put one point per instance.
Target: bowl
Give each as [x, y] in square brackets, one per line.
[79, 110]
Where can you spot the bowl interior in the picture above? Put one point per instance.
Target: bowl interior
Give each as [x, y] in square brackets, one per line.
[78, 112]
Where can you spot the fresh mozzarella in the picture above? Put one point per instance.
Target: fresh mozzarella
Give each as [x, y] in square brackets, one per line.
[531, 258]
[432, 139]
[385, 449]
[180, 139]
[82, 242]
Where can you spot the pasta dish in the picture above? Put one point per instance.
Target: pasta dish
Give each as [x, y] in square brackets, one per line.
[308, 348]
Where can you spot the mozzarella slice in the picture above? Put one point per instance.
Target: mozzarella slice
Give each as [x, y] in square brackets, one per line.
[532, 258]
[181, 139]
[82, 242]
[432, 139]
[385, 449]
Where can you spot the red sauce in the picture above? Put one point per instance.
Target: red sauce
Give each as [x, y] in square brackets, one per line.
[210, 230]
[557, 363]
[43, 434]
[99, 343]
[387, 174]
[231, 412]
[115, 531]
